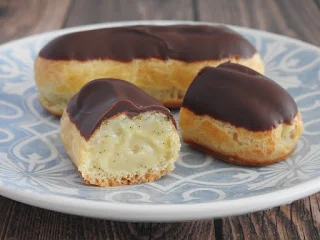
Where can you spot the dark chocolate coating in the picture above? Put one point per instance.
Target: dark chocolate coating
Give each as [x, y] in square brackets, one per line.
[240, 96]
[187, 43]
[103, 99]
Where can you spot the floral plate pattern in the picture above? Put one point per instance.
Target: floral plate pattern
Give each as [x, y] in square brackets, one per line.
[35, 169]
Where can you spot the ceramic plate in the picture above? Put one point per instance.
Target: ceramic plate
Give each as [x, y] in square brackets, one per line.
[35, 169]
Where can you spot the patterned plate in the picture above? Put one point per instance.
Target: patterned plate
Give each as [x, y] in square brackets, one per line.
[35, 169]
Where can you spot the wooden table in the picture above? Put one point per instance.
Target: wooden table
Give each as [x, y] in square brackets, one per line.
[295, 18]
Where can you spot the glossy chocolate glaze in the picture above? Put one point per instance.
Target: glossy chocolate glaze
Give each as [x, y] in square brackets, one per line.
[239, 95]
[103, 99]
[181, 42]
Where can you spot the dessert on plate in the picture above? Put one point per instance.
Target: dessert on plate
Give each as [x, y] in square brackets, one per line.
[116, 134]
[161, 60]
[240, 116]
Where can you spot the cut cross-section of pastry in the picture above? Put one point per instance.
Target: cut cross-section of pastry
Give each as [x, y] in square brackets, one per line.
[240, 116]
[116, 134]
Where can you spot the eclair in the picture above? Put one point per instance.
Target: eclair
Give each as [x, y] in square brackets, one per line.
[116, 134]
[240, 116]
[161, 60]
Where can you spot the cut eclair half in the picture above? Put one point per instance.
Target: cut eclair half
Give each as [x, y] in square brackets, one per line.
[240, 116]
[116, 134]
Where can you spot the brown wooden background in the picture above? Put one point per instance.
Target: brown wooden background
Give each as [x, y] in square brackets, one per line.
[295, 18]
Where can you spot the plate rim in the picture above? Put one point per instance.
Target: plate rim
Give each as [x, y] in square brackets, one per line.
[160, 212]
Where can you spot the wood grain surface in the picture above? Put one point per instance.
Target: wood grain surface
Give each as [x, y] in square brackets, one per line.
[19, 18]
[95, 11]
[294, 18]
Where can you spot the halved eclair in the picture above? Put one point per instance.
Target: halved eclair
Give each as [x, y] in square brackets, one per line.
[240, 116]
[116, 134]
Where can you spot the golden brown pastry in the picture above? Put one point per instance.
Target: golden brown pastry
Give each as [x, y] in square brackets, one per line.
[116, 134]
[240, 116]
[161, 60]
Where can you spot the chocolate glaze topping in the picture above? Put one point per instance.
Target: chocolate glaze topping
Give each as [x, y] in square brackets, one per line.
[181, 42]
[103, 99]
[238, 95]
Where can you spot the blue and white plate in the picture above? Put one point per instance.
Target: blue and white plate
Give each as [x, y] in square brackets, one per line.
[35, 169]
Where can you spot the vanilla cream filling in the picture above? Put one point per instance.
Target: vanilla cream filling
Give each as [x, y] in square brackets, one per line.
[123, 145]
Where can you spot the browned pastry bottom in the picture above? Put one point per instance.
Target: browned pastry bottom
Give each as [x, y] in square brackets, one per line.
[173, 103]
[47, 107]
[136, 179]
[149, 177]
[52, 112]
[233, 159]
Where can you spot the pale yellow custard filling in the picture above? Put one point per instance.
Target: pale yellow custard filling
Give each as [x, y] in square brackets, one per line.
[124, 145]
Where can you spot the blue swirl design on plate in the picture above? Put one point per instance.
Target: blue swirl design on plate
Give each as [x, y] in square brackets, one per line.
[33, 159]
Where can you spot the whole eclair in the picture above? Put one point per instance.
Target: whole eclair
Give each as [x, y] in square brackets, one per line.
[161, 60]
